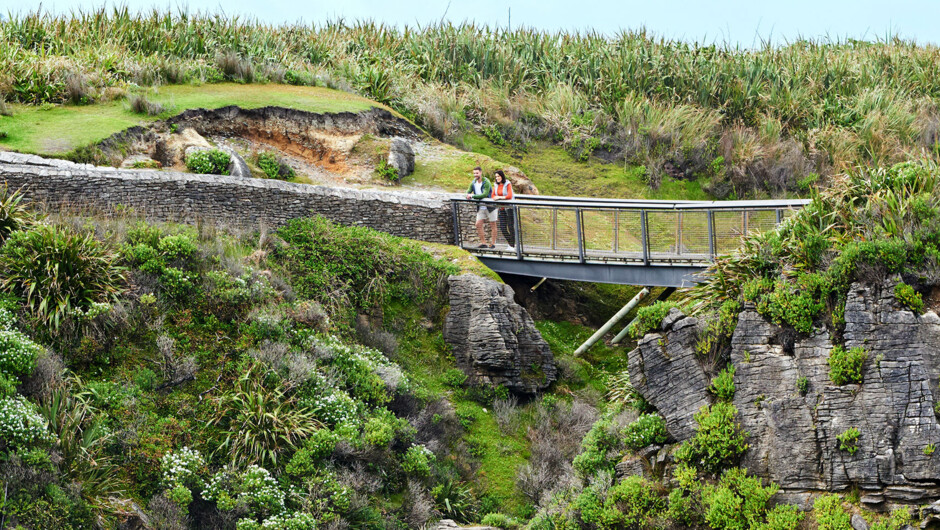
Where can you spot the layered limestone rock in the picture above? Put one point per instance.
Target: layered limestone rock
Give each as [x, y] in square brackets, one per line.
[793, 412]
[494, 339]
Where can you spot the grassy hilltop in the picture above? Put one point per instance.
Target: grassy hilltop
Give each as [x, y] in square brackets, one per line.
[743, 122]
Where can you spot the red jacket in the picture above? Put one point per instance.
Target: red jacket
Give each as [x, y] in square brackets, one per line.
[502, 189]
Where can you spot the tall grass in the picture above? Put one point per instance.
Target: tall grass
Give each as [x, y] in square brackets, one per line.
[841, 103]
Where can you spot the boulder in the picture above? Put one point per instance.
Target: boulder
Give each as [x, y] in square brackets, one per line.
[402, 157]
[520, 182]
[494, 339]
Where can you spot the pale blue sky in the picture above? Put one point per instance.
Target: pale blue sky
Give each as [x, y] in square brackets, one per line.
[735, 21]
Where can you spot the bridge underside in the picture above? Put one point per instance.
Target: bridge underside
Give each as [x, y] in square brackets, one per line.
[650, 275]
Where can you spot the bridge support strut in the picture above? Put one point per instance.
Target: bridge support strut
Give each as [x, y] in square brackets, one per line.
[613, 321]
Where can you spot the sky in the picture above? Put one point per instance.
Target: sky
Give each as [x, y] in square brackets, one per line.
[741, 23]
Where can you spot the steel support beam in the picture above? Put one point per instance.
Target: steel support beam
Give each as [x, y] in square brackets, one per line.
[613, 321]
[651, 275]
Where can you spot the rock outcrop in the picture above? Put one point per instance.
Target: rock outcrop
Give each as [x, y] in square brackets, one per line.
[402, 157]
[494, 339]
[793, 412]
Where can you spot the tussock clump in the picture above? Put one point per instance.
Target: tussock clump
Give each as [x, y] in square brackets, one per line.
[5, 109]
[139, 104]
[77, 89]
[235, 67]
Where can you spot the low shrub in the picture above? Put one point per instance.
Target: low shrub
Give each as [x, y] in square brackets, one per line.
[649, 318]
[455, 500]
[829, 513]
[594, 449]
[718, 441]
[417, 461]
[387, 171]
[209, 162]
[722, 386]
[783, 517]
[273, 166]
[848, 440]
[647, 430]
[454, 378]
[737, 501]
[18, 354]
[499, 520]
[845, 366]
[908, 297]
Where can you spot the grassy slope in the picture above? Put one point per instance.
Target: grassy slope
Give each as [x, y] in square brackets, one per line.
[63, 128]
[553, 170]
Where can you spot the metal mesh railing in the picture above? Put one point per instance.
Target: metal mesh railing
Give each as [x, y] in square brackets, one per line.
[592, 231]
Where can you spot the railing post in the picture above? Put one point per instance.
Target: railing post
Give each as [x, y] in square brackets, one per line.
[616, 231]
[679, 234]
[517, 230]
[580, 227]
[779, 213]
[554, 227]
[644, 237]
[456, 211]
[711, 234]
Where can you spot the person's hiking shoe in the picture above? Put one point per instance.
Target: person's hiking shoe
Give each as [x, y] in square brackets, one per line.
[510, 249]
[483, 245]
[492, 246]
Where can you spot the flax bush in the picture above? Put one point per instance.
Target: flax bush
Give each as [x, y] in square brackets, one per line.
[58, 273]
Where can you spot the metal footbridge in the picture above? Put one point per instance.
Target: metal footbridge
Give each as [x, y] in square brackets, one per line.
[635, 242]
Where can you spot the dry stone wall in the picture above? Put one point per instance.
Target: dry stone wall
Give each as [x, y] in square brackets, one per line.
[225, 200]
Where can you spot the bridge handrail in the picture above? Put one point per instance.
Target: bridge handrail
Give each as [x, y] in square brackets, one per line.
[642, 204]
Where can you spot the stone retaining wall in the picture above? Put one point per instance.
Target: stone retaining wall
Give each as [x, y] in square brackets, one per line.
[222, 200]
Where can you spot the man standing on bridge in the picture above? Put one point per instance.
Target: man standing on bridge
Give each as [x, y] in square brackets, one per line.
[480, 189]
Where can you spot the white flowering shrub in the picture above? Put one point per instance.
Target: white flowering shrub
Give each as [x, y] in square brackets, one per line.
[18, 354]
[182, 468]
[7, 319]
[334, 408]
[417, 461]
[368, 375]
[21, 425]
[254, 489]
[291, 521]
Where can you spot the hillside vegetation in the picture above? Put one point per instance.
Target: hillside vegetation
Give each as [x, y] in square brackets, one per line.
[753, 121]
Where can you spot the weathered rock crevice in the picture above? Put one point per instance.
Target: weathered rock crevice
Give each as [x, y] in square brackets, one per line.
[792, 434]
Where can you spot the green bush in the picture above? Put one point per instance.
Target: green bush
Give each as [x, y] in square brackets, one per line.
[830, 515]
[783, 517]
[499, 520]
[454, 378]
[908, 297]
[387, 171]
[417, 461]
[845, 366]
[594, 448]
[632, 503]
[209, 162]
[722, 386]
[848, 440]
[308, 459]
[737, 502]
[455, 500]
[273, 167]
[647, 430]
[802, 385]
[718, 441]
[57, 273]
[649, 318]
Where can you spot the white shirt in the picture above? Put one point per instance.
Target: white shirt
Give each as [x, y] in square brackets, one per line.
[477, 186]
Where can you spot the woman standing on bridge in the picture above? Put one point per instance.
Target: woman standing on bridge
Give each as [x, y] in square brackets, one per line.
[502, 191]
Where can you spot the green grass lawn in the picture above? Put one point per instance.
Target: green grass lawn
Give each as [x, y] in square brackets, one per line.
[62, 128]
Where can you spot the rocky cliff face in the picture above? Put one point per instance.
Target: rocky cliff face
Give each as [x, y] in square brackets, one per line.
[494, 339]
[792, 434]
